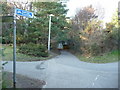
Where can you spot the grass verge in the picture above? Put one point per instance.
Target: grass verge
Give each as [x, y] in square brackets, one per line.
[105, 58]
[8, 55]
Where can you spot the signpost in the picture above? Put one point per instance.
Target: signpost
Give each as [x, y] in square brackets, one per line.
[14, 52]
[21, 13]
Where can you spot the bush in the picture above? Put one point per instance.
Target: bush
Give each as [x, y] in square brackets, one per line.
[75, 44]
[111, 40]
[33, 50]
[94, 49]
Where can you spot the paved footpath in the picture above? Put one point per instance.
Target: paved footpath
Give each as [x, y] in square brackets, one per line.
[66, 71]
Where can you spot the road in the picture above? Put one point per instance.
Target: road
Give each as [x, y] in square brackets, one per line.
[66, 71]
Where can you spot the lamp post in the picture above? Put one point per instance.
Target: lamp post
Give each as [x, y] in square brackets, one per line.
[119, 12]
[49, 31]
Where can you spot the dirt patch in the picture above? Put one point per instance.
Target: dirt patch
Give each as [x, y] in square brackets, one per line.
[21, 81]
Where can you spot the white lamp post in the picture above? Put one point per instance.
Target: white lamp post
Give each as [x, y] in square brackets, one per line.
[49, 31]
[119, 11]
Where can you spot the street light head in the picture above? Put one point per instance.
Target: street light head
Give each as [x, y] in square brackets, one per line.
[51, 15]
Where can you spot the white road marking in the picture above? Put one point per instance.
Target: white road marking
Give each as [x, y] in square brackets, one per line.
[97, 77]
[95, 80]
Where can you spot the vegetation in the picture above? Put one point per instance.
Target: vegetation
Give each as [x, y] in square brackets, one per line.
[84, 33]
[32, 34]
[5, 80]
[94, 43]
[22, 81]
[34, 50]
[8, 55]
[105, 58]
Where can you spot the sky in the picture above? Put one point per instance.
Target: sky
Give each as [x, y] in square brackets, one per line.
[108, 6]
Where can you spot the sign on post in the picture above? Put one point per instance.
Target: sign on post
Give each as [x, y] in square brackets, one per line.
[21, 13]
[24, 13]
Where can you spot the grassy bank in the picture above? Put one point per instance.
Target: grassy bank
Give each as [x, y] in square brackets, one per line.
[8, 55]
[21, 81]
[105, 58]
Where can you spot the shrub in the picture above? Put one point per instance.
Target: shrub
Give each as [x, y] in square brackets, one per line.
[111, 40]
[95, 49]
[34, 50]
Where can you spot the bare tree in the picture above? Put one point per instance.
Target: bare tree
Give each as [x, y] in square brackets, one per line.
[87, 14]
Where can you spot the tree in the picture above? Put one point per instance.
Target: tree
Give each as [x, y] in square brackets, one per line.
[83, 16]
[88, 29]
[112, 31]
[115, 19]
[32, 34]
[40, 23]
[7, 20]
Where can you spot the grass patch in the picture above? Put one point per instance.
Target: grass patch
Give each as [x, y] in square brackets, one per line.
[8, 55]
[105, 58]
[7, 81]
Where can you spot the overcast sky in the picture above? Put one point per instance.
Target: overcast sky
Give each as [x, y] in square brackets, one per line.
[110, 6]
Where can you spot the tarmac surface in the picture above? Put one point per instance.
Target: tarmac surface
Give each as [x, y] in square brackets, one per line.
[67, 71]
